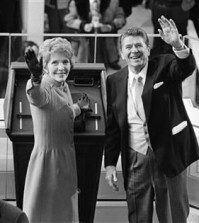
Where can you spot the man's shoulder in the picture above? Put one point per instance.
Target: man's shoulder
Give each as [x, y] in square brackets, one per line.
[162, 58]
[118, 73]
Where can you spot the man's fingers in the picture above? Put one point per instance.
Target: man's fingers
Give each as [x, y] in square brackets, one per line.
[165, 23]
[114, 177]
[162, 22]
[160, 32]
[115, 187]
[173, 24]
[112, 184]
[110, 180]
[111, 177]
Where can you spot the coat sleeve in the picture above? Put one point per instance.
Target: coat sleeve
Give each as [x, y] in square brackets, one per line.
[75, 107]
[181, 68]
[112, 138]
[37, 95]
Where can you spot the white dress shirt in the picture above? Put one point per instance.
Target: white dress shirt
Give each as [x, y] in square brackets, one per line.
[138, 131]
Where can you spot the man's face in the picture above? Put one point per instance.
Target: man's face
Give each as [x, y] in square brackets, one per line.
[135, 52]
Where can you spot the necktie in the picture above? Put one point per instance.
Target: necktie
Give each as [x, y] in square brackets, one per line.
[138, 100]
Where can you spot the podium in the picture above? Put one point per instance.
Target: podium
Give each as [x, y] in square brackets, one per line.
[84, 78]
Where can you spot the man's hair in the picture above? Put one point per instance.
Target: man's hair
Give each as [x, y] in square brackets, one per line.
[134, 31]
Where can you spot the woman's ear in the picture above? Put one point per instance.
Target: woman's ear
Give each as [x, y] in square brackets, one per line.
[72, 62]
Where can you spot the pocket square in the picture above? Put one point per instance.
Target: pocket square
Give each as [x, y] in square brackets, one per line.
[157, 85]
[178, 128]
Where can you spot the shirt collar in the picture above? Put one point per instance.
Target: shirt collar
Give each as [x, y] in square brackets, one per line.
[142, 73]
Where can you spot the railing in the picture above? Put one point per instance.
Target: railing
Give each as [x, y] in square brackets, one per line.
[94, 35]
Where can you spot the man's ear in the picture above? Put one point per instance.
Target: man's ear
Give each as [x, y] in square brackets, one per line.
[122, 56]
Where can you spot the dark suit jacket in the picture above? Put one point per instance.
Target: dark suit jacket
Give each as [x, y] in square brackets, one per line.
[164, 110]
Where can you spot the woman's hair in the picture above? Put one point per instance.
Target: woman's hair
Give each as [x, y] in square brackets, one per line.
[55, 45]
[134, 31]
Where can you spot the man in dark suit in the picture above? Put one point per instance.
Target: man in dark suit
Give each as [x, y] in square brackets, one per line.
[147, 122]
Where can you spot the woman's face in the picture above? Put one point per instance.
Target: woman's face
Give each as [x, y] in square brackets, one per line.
[58, 66]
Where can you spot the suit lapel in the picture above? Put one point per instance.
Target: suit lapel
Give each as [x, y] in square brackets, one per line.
[148, 88]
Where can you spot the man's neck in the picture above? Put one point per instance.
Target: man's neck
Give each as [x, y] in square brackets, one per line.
[138, 69]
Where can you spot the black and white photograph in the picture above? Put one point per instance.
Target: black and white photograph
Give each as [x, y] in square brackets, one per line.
[99, 111]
